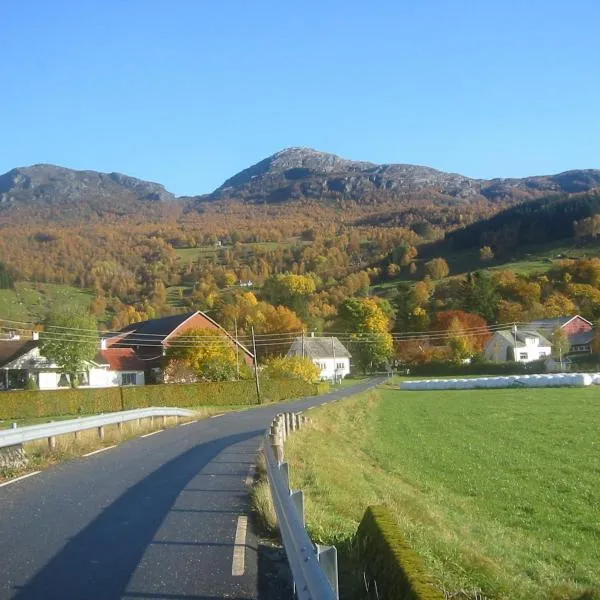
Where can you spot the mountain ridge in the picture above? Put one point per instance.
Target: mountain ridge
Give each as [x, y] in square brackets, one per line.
[290, 174]
[304, 172]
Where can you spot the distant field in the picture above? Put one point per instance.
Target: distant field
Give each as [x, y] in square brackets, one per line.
[498, 490]
[33, 301]
[213, 251]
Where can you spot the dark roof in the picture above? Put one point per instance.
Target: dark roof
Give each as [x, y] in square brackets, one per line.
[154, 331]
[12, 349]
[581, 339]
[318, 347]
[552, 324]
[520, 335]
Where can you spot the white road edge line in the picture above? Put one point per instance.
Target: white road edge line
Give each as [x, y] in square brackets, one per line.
[215, 416]
[19, 478]
[152, 433]
[101, 450]
[188, 423]
[239, 550]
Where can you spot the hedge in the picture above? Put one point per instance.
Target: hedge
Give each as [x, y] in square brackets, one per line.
[46, 403]
[388, 560]
[477, 368]
[49, 403]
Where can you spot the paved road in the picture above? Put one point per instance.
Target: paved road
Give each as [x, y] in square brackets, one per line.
[155, 518]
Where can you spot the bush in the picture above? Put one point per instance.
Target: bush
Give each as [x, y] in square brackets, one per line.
[388, 560]
[295, 367]
[434, 368]
[49, 403]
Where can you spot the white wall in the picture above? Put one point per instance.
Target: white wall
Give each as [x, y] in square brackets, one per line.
[48, 380]
[329, 367]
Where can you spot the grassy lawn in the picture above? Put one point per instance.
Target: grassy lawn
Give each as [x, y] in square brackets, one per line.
[498, 490]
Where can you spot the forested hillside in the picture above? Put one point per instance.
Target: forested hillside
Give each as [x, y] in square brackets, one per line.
[306, 261]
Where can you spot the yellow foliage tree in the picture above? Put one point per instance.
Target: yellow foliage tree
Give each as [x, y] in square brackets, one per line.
[292, 367]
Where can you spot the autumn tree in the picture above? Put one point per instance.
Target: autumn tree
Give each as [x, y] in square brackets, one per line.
[69, 340]
[207, 353]
[437, 268]
[369, 326]
[292, 367]
[473, 328]
[486, 254]
[560, 343]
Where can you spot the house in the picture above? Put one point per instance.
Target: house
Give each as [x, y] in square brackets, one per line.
[21, 361]
[579, 331]
[149, 340]
[519, 346]
[328, 353]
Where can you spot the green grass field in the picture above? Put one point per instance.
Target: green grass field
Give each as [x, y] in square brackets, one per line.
[498, 490]
[33, 301]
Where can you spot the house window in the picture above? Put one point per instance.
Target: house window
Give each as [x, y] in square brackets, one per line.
[542, 355]
[63, 380]
[339, 365]
[522, 355]
[128, 379]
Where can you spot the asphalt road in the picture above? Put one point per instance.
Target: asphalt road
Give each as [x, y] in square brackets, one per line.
[154, 518]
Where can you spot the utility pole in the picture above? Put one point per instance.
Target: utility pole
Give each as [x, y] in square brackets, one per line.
[256, 367]
[237, 349]
[303, 343]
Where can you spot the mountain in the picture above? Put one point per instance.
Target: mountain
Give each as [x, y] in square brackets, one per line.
[57, 194]
[297, 173]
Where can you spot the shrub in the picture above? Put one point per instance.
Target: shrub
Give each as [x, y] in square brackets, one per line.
[47, 403]
[294, 367]
[388, 560]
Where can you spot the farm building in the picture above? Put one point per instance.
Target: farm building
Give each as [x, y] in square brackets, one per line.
[328, 353]
[517, 346]
[579, 331]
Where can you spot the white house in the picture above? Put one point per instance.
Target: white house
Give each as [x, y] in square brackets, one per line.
[21, 361]
[518, 346]
[328, 353]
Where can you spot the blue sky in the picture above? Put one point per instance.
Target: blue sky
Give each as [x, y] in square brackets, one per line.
[188, 92]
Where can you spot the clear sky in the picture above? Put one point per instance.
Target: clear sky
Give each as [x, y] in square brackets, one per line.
[188, 92]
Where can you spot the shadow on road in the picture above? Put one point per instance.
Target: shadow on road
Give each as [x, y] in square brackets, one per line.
[98, 563]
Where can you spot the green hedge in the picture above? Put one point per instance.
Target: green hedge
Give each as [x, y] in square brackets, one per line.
[477, 368]
[388, 560]
[21, 404]
[49, 403]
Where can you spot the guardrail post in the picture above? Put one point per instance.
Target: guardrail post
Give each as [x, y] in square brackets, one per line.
[101, 432]
[297, 498]
[120, 426]
[327, 556]
[276, 442]
[285, 472]
[77, 435]
[52, 442]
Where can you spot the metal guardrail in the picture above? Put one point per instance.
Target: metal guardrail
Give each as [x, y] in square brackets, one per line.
[20, 435]
[314, 568]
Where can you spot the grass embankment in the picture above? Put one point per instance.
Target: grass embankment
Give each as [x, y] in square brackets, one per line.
[498, 490]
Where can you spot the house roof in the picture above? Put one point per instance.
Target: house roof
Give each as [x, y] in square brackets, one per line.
[552, 324]
[12, 349]
[318, 347]
[580, 339]
[123, 359]
[520, 336]
[154, 331]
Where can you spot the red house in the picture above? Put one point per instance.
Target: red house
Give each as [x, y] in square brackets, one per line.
[579, 331]
[150, 339]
